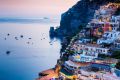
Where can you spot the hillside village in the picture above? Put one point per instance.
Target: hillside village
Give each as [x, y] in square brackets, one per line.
[91, 53]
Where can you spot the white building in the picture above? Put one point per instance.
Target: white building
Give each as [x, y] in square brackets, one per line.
[116, 18]
[72, 66]
[85, 57]
[109, 37]
[117, 43]
[90, 48]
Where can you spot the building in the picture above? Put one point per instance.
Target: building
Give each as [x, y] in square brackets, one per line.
[104, 21]
[74, 67]
[116, 18]
[101, 67]
[91, 48]
[86, 56]
[104, 64]
[117, 44]
[84, 40]
[109, 37]
[99, 28]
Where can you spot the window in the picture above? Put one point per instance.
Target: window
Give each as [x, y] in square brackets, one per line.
[115, 45]
[119, 46]
[115, 35]
[75, 68]
[71, 66]
[97, 50]
[111, 35]
[103, 50]
[112, 28]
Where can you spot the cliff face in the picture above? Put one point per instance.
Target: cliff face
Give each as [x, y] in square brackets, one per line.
[79, 14]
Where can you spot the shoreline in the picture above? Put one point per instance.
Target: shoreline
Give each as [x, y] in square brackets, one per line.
[72, 53]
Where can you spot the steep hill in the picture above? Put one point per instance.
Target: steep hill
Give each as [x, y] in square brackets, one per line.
[80, 14]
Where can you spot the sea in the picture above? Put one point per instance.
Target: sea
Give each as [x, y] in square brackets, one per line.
[26, 48]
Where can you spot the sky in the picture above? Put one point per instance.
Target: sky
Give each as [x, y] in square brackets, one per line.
[34, 8]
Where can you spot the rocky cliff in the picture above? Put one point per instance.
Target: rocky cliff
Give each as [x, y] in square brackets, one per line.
[79, 15]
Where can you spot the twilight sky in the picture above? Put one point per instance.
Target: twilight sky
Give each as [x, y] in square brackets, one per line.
[34, 8]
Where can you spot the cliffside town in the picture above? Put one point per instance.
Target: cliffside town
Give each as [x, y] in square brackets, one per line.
[94, 52]
[79, 15]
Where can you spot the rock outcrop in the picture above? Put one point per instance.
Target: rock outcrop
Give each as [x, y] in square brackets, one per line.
[79, 15]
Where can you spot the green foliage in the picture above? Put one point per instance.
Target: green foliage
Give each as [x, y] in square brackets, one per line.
[70, 52]
[65, 57]
[103, 56]
[68, 38]
[95, 39]
[116, 54]
[118, 65]
[117, 12]
[65, 72]
[78, 30]
[81, 27]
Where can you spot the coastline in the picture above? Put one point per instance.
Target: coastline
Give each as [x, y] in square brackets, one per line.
[67, 53]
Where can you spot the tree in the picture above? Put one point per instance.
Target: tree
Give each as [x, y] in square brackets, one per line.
[117, 12]
[118, 65]
[103, 56]
[116, 54]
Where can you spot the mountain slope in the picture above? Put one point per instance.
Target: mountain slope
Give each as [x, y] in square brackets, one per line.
[79, 14]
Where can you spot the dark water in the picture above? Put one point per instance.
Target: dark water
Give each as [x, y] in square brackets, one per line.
[28, 55]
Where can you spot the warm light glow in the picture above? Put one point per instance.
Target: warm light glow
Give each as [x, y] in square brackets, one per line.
[28, 8]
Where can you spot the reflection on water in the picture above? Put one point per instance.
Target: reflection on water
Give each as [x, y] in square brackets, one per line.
[25, 50]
